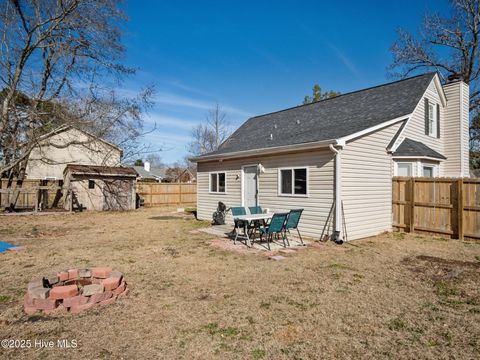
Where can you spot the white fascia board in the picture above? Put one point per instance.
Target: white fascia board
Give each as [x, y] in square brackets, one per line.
[440, 91]
[373, 129]
[266, 151]
[417, 157]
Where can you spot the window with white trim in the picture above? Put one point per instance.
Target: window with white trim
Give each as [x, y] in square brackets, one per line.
[432, 117]
[293, 181]
[428, 170]
[404, 169]
[218, 182]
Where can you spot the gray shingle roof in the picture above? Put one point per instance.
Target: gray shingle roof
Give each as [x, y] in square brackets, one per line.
[154, 173]
[413, 148]
[329, 119]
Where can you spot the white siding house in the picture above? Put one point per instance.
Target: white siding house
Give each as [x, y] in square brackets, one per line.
[341, 153]
[65, 146]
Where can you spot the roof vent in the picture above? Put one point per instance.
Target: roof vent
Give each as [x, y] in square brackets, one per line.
[298, 121]
[275, 126]
[271, 136]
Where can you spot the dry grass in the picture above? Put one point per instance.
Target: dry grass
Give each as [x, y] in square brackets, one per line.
[393, 296]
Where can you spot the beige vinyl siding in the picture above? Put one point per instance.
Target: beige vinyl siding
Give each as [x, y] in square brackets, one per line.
[50, 161]
[465, 129]
[415, 128]
[452, 130]
[367, 171]
[316, 205]
[456, 129]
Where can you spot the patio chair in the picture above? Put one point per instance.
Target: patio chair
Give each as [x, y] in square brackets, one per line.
[292, 222]
[255, 210]
[275, 227]
[238, 211]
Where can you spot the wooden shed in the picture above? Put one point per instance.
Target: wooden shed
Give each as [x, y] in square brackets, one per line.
[100, 187]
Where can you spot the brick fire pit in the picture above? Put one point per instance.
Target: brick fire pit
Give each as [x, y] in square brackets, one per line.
[75, 290]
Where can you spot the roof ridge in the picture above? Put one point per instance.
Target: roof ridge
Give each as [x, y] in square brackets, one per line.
[349, 93]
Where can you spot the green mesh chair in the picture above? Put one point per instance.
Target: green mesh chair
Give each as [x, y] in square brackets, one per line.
[275, 227]
[255, 210]
[239, 211]
[292, 222]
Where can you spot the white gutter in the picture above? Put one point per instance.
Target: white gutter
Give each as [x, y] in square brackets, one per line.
[338, 189]
[264, 151]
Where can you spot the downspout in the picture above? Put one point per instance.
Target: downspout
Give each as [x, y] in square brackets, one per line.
[337, 235]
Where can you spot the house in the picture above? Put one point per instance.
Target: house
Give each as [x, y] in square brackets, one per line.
[68, 145]
[100, 187]
[181, 175]
[146, 173]
[339, 155]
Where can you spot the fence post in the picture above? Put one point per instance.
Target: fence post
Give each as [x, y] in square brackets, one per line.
[179, 194]
[151, 195]
[460, 208]
[412, 205]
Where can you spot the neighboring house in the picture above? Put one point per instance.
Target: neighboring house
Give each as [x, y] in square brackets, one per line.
[342, 151]
[150, 174]
[100, 187]
[68, 145]
[181, 175]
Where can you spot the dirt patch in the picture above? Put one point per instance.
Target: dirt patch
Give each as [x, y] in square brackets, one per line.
[437, 268]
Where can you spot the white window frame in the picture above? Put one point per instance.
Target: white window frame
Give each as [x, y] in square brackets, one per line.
[432, 119]
[279, 180]
[218, 182]
[412, 167]
[432, 166]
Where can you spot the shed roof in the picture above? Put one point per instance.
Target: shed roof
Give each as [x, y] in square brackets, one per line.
[100, 170]
[412, 148]
[328, 119]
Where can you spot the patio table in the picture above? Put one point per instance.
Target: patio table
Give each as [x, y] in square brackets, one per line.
[249, 218]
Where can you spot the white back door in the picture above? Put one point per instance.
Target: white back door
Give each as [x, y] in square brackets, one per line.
[250, 186]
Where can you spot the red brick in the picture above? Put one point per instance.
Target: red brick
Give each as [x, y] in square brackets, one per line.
[101, 272]
[120, 289]
[59, 310]
[95, 298]
[73, 274]
[63, 275]
[45, 304]
[125, 293]
[30, 310]
[63, 292]
[111, 283]
[108, 301]
[79, 308]
[75, 301]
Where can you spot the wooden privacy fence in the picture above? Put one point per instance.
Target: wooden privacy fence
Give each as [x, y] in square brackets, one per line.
[155, 194]
[31, 194]
[437, 205]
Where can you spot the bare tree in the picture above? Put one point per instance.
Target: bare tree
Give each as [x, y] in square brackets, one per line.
[210, 135]
[155, 160]
[449, 45]
[59, 61]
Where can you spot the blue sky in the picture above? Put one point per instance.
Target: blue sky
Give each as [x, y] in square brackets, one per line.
[254, 57]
